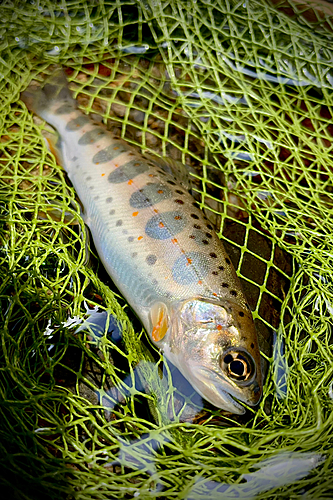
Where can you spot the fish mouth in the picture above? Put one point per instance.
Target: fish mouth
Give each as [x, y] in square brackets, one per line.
[233, 403]
[209, 385]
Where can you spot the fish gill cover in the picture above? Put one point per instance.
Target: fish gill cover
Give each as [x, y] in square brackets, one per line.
[240, 91]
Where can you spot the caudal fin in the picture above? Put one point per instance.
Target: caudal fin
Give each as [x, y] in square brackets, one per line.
[54, 89]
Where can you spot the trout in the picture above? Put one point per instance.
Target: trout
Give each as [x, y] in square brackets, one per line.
[160, 251]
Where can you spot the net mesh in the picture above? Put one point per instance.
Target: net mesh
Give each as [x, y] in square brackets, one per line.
[242, 93]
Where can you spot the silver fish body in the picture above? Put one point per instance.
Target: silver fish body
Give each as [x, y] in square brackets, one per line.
[160, 251]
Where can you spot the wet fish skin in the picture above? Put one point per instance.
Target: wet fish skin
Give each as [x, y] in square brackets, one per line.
[160, 251]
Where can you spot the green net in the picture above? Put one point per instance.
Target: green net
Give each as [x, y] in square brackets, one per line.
[240, 91]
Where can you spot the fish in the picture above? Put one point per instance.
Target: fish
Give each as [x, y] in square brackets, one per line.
[160, 251]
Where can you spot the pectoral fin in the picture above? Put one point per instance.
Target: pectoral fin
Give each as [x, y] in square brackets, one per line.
[160, 321]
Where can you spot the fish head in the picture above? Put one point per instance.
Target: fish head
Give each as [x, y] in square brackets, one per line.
[215, 346]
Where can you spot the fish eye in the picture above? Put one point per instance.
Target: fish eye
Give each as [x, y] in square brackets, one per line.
[238, 365]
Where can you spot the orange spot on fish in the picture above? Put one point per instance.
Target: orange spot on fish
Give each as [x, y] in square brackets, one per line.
[130, 182]
[219, 327]
[189, 261]
[97, 163]
[155, 210]
[174, 241]
[116, 165]
[161, 224]
[160, 191]
[135, 214]
[177, 217]
[140, 238]
[199, 282]
[151, 175]
[215, 294]
[102, 175]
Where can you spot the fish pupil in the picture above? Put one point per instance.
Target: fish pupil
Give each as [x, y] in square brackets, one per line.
[237, 368]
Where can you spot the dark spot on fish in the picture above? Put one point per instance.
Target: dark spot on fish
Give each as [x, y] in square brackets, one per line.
[165, 225]
[91, 137]
[213, 255]
[215, 273]
[96, 197]
[241, 313]
[112, 212]
[130, 238]
[119, 222]
[209, 226]
[192, 237]
[180, 202]
[225, 285]
[194, 216]
[77, 123]
[134, 254]
[74, 158]
[221, 268]
[227, 261]
[196, 226]
[208, 235]
[64, 109]
[179, 191]
[252, 345]
[109, 200]
[88, 178]
[151, 259]
[171, 182]
[149, 195]
[63, 95]
[205, 242]
[50, 90]
[127, 171]
[110, 153]
[233, 292]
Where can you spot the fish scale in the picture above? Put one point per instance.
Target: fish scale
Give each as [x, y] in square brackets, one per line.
[159, 249]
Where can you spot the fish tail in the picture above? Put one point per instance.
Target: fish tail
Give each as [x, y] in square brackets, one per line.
[54, 89]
